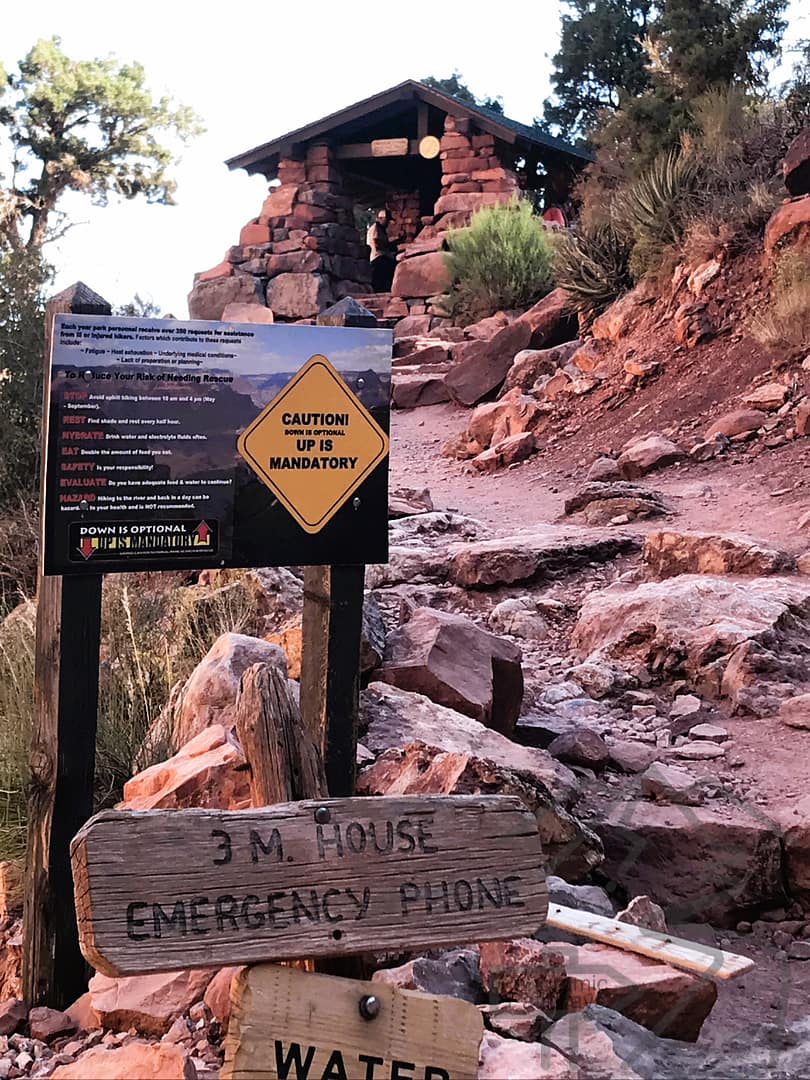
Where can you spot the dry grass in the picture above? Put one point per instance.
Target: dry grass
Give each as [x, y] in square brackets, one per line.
[155, 629]
[786, 323]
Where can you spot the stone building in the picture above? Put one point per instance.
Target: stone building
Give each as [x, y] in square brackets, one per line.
[426, 156]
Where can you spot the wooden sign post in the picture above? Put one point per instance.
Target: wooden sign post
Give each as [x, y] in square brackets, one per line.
[63, 748]
[286, 1023]
[127, 403]
[162, 890]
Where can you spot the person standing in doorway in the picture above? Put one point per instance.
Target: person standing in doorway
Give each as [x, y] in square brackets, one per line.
[383, 252]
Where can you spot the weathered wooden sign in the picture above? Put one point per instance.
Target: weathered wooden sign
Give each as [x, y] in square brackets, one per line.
[389, 147]
[289, 1023]
[165, 889]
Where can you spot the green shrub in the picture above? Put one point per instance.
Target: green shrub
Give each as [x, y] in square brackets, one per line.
[593, 266]
[715, 189]
[785, 323]
[503, 259]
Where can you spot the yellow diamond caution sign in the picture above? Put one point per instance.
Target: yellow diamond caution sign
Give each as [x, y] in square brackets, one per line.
[314, 444]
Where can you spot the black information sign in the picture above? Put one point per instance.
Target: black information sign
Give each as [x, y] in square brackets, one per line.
[143, 469]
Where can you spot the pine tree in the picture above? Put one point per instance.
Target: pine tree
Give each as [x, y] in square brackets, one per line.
[698, 44]
[601, 60]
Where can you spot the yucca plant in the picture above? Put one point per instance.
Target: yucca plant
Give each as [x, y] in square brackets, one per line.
[652, 211]
[593, 266]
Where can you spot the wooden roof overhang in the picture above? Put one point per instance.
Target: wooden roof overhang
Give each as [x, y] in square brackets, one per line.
[409, 110]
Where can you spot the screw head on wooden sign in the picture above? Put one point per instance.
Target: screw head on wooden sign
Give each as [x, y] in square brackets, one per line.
[314, 444]
[290, 1023]
[159, 890]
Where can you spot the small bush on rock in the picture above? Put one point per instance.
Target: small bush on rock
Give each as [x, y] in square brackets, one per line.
[503, 259]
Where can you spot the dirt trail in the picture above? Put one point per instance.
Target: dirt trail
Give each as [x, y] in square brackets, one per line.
[734, 494]
[729, 495]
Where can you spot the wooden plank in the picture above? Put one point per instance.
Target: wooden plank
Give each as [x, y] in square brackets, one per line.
[702, 959]
[403, 148]
[63, 742]
[315, 653]
[284, 763]
[343, 678]
[281, 1016]
[161, 890]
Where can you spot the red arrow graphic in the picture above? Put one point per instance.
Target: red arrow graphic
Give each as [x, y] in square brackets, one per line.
[86, 547]
[203, 532]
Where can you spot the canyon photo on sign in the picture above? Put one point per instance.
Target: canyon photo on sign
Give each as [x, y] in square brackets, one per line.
[163, 890]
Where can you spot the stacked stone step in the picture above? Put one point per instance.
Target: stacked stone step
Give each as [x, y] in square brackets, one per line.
[472, 177]
[301, 254]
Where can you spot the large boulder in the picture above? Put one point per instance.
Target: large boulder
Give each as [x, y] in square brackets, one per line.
[547, 550]
[671, 784]
[420, 276]
[513, 414]
[569, 847]
[700, 864]
[413, 389]
[756, 1051]
[456, 663]
[209, 694]
[648, 454]
[390, 717]
[668, 553]
[298, 296]
[669, 1002]
[789, 226]
[600, 500]
[552, 320]
[500, 1058]
[690, 624]
[795, 711]
[523, 970]
[149, 1003]
[484, 364]
[146, 1061]
[530, 364]
[208, 299]
[737, 422]
[218, 995]
[454, 973]
[588, 1047]
[770, 397]
[618, 320]
[208, 771]
[505, 452]
[409, 564]
[796, 164]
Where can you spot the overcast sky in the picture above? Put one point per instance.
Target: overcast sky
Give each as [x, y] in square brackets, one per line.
[254, 71]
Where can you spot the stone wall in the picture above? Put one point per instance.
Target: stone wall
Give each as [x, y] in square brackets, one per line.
[472, 176]
[301, 254]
